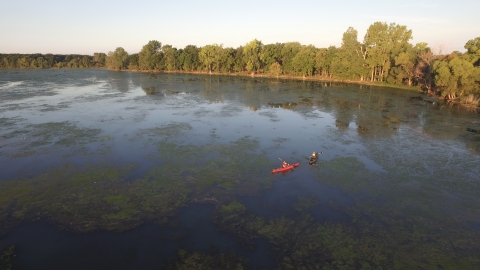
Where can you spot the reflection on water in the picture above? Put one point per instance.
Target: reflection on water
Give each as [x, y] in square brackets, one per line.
[93, 151]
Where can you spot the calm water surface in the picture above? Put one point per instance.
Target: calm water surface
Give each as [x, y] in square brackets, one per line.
[122, 170]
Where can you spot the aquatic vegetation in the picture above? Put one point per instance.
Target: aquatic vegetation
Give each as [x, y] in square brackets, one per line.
[99, 197]
[61, 133]
[204, 261]
[170, 131]
[50, 108]
[7, 122]
[6, 258]
[42, 137]
[413, 214]
[378, 237]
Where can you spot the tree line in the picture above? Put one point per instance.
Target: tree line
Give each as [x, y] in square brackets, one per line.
[38, 60]
[385, 56]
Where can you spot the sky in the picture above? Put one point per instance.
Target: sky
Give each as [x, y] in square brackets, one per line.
[86, 27]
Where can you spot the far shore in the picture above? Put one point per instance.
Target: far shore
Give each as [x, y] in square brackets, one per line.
[415, 89]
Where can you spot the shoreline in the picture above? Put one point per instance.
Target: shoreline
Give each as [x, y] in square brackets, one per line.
[316, 79]
[416, 89]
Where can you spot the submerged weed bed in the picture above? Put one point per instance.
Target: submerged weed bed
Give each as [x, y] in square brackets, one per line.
[99, 197]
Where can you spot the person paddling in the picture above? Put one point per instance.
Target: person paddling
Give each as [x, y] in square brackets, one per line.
[313, 158]
[285, 164]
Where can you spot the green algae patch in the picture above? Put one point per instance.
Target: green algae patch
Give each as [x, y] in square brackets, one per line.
[171, 130]
[51, 108]
[414, 219]
[8, 122]
[94, 197]
[6, 258]
[69, 196]
[203, 261]
[229, 169]
[60, 133]
[374, 240]
[120, 200]
[47, 137]
[296, 243]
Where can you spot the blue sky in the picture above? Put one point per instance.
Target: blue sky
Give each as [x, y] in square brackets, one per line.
[85, 27]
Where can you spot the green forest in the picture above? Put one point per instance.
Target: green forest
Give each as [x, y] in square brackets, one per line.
[385, 57]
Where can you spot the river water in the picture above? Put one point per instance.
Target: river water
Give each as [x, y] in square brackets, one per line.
[103, 169]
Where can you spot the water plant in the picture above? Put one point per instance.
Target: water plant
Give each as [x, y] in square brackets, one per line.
[98, 196]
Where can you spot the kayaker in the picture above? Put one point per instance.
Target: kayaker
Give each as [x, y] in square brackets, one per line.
[313, 158]
[285, 164]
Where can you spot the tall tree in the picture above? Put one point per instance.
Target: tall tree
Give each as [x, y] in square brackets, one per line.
[227, 61]
[383, 43]
[170, 57]
[455, 76]
[303, 62]
[406, 62]
[210, 56]
[270, 54]
[189, 58]
[150, 56]
[115, 60]
[324, 60]
[239, 64]
[349, 62]
[473, 51]
[320, 63]
[99, 59]
[289, 50]
[251, 54]
[133, 61]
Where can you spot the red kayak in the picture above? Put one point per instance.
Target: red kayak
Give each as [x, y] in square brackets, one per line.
[289, 167]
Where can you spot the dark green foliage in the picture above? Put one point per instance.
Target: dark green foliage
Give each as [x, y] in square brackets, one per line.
[304, 61]
[51, 61]
[227, 61]
[239, 63]
[150, 56]
[99, 197]
[132, 60]
[117, 60]
[251, 54]
[6, 258]
[289, 50]
[189, 58]
[270, 54]
[171, 60]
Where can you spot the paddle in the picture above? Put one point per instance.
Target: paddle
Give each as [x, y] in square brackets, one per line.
[318, 153]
